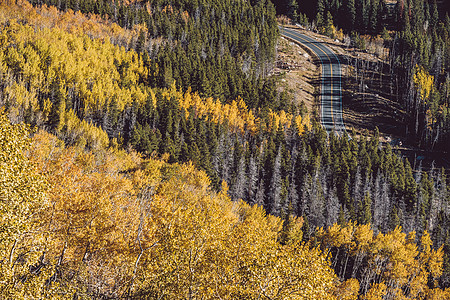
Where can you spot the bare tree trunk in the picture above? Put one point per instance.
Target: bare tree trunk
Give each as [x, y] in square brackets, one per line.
[11, 253]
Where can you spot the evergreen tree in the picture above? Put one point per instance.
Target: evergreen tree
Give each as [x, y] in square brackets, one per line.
[320, 14]
[434, 15]
[366, 210]
[329, 29]
[373, 17]
[410, 186]
[292, 10]
[393, 218]
[349, 15]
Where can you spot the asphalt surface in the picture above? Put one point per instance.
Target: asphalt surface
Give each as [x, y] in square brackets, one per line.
[331, 81]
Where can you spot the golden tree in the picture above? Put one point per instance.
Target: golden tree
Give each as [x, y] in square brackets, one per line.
[22, 198]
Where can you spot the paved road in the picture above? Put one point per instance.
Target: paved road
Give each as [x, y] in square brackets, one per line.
[331, 81]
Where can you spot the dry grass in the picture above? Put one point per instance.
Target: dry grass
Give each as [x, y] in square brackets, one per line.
[283, 20]
[298, 72]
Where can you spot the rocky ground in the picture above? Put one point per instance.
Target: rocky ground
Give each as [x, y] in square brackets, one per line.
[298, 73]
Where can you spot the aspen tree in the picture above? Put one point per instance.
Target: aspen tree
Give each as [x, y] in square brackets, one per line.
[23, 197]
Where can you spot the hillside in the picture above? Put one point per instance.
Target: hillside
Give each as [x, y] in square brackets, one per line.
[111, 224]
[162, 149]
[108, 223]
[297, 73]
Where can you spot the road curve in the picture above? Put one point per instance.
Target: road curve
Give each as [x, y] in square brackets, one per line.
[331, 81]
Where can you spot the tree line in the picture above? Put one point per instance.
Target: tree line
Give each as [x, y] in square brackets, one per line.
[223, 49]
[365, 16]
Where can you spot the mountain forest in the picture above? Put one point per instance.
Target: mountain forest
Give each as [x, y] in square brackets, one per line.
[147, 152]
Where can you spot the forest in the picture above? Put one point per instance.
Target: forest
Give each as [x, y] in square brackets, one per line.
[146, 152]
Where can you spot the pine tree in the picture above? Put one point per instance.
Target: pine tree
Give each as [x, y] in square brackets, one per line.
[373, 17]
[292, 10]
[418, 17]
[320, 14]
[424, 199]
[434, 15]
[240, 181]
[341, 218]
[366, 210]
[329, 29]
[252, 182]
[410, 186]
[350, 14]
[276, 186]
[360, 15]
[381, 13]
[393, 218]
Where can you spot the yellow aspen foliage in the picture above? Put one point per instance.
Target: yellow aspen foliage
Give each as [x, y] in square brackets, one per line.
[76, 60]
[235, 114]
[289, 282]
[22, 198]
[426, 243]
[400, 266]
[432, 258]
[438, 294]
[435, 262]
[82, 133]
[337, 236]
[363, 236]
[119, 226]
[70, 56]
[424, 82]
[54, 62]
[73, 22]
[90, 214]
[292, 231]
[347, 234]
[20, 99]
[392, 246]
[274, 121]
[266, 269]
[376, 292]
[348, 290]
[339, 34]
[302, 124]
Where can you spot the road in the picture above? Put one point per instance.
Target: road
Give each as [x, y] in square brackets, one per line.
[331, 81]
